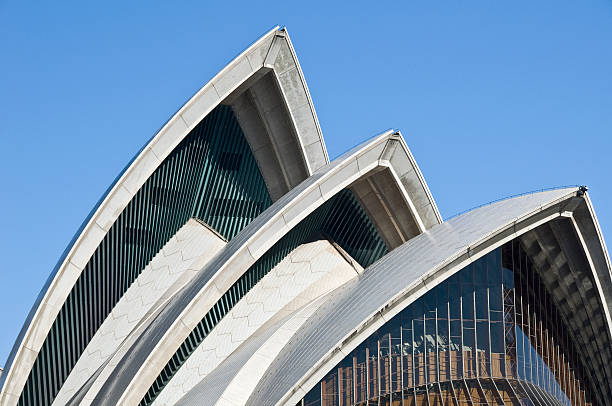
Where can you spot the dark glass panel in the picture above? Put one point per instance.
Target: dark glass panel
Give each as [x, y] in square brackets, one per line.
[407, 348]
[443, 331]
[469, 364]
[395, 357]
[463, 396]
[494, 268]
[455, 346]
[441, 292]
[480, 272]
[345, 382]
[385, 364]
[384, 400]
[482, 303]
[372, 350]
[482, 344]
[421, 395]
[496, 299]
[435, 397]
[468, 328]
[408, 398]
[508, 278]
[467, 293]
[418, 328]
[446, 391]
[442, 327]
[313, 398]
[396, 399]
[329, 389]
[497, 349]
[431, 337]
[361, 390]
[454, 297]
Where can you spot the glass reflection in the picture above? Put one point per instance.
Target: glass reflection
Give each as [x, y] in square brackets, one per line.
[489, 334]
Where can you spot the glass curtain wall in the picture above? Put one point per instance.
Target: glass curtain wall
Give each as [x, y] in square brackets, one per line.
[490, 334]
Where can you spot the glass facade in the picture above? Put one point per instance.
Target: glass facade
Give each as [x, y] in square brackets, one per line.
[489, 334]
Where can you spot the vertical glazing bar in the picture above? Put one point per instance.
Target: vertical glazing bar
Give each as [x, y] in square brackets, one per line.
[454, 328]
[436, 338]
[414, 376]
[407, 348]
[378, 367]
[390, 369]
[354, 376]
[489, 354]
[367, 367]
[462, 348]
[321, 391]
[401, 331]
[475, 347]
[339, 386]
[448, 361]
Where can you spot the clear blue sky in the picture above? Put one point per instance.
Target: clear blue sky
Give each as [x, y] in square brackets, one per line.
[494, 98]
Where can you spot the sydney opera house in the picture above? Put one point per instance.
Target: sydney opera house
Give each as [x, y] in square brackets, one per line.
[231, 263]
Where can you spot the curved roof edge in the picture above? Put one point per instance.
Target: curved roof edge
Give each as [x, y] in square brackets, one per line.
[264, 55]
[188, 307]
[310, 103]
[427, 205]
[390, 287]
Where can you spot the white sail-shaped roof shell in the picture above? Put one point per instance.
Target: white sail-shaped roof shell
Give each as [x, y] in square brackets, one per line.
[287, 152]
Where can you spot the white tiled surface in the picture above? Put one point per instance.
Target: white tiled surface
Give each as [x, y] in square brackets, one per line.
[310, 271]
[192, 246]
